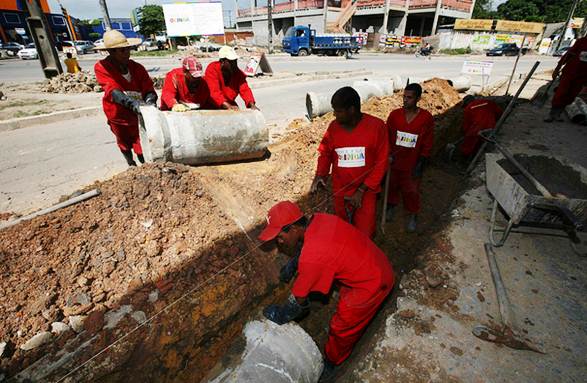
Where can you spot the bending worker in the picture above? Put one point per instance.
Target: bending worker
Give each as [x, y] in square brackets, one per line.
[185, 85]
[227, 81]
[479, 114]
[331, 251]
[356, 147]
[573, 78]
[126, 85]
[411, 136]
[71, 63]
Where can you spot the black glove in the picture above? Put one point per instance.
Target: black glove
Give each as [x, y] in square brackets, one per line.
[287, 312]
[128, 102]
[288, 271]
[419, 168]
[151, 98]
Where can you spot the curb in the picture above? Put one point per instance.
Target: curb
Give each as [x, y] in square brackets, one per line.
[25, 122]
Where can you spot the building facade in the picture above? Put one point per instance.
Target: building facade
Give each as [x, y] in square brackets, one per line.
[124, 25]
[13, 25]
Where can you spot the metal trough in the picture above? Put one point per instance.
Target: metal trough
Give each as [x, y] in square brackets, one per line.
[524, 208]
[202, 136]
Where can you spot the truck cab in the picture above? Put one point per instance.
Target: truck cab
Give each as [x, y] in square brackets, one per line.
[297, 40]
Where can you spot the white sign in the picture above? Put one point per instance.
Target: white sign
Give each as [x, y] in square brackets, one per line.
[477, 67]
[351, 157]
[194, 19]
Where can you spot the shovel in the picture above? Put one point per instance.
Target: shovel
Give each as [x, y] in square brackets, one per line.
[542, 95]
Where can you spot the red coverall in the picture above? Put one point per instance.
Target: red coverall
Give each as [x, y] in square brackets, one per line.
[123, 122]
[175, 89]
[408, 142]
[573, 76]
[357, 157]
[478, 115]
[221, 92]
[336, 251]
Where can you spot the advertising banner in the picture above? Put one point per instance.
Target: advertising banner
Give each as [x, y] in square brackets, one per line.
[519, 26]
[193, 19]
[473, 24]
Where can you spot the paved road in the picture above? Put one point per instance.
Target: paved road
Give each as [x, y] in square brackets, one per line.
[39, 164]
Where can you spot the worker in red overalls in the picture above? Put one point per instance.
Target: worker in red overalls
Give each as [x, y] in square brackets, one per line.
[479, 114]
[325, 249]
[356, 147]
[573, 78]
[185, 85]
[411, 136]
[227, 81]
[126, 85]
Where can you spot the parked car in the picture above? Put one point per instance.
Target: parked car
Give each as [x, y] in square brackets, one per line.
[561, 52]
[81, 47]
[29, 52]
[12, 47]
[504, 50]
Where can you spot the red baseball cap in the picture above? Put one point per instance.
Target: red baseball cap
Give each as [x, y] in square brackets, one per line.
[193, 66]
[282, 214]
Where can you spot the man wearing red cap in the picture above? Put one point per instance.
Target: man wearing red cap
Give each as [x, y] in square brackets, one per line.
[185, 85]
[573, 78]
[356, 147]
[411, 136]
[227, 81]
[332, 250]
[479, 114]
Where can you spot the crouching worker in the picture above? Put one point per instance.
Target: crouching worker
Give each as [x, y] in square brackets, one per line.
[126, 85]
[185, 85]
[479, 114]
[332, 250]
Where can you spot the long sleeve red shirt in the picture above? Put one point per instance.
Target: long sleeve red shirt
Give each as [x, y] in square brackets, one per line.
[409, 141]
[110, 79]
[221, 92]
[356, 157]
[480, 115]
[175, 89]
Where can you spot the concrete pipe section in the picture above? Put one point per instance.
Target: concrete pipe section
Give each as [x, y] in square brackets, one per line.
[202, 136]
[276, 354]
[577, 111]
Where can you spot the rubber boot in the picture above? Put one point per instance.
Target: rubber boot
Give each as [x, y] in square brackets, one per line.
[411, 226]
[328, 372]
[554, 115]
[128, 157]
[141, 158]
[389, 213]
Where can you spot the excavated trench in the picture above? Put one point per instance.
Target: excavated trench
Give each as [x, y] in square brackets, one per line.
[164, 270]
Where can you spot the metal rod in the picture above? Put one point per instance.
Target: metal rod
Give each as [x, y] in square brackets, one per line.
[571, 11]
[385, 194]
[502, 119]
[515, 65]
[503, 301]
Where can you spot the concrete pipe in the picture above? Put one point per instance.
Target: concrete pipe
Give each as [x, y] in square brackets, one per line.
[202, 136]
[577, 111]
[317, 104]
[461, 83]
[276, 354]
[399, 82]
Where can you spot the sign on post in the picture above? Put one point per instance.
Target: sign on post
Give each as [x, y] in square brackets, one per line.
[478, 68]
[256, 62]
[193, 19]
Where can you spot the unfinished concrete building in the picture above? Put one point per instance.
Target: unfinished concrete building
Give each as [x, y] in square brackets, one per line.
[399, 17]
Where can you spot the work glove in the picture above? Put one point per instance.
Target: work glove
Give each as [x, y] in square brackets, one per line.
[151, 98]
[291, 310]
[419, 168]
[179, 108]
[128, 102]
[288, 271]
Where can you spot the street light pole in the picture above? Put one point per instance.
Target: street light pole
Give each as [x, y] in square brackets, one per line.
[104, 8]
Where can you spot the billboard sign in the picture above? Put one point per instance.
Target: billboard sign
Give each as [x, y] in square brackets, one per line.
[194, 19]
[519, 26]
[473, 24]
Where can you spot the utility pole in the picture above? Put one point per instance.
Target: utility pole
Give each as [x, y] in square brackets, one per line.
[43, 37]
[270, 25]
[325, 16]
[571, 12]
[104, 8]
[385, 17]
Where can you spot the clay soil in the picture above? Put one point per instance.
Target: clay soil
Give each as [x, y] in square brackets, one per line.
[168, 227]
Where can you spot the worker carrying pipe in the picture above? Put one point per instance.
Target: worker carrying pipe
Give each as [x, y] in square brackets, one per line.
[354, 150]
[126, 85]
[478, 114]
[411, 136]
[186, 85]
[227, 81]
[325, 249]
[573, 69]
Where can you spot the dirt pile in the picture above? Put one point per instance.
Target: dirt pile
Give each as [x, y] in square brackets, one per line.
[80, 82]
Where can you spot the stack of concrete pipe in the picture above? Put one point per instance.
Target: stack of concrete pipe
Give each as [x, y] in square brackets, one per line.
[318, 104]
[577, 111]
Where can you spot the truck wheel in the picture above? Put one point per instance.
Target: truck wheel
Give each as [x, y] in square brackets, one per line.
[341, 52]
[303, 52]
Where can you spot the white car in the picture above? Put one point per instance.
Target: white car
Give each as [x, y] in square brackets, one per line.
[29, 52]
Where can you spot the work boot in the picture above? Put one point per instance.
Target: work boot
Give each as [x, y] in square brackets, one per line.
[328, 372]
[554, 115]
[141, 158]
[389, 213]
[128, 157]
[411, 227]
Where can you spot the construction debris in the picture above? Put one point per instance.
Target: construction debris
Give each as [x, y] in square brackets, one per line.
[80, 82]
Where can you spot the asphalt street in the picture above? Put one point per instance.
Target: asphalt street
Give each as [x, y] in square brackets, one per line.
[41, 163]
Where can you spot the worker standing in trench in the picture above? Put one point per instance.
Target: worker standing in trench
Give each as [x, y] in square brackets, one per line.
[411, 136]
[478, 115]
[126, 85]
[356, 147]
[227, 81]
[186, 85]
[573, 69]
[325, 249]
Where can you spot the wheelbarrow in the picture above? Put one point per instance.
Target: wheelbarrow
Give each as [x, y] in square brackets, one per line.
[524, 208]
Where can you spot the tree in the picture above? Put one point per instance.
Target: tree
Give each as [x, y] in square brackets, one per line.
[152, 20]
[546, 11]
[484, 10]
[519, 10]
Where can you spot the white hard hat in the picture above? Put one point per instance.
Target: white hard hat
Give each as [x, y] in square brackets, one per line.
[228, 53]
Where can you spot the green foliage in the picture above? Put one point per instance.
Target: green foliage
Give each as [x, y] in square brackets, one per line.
[162, 53]
[458, 51]
[519, 10]
[94, 36]
[90, 23]
[152, 20]
[484, 10]
[547, 11]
